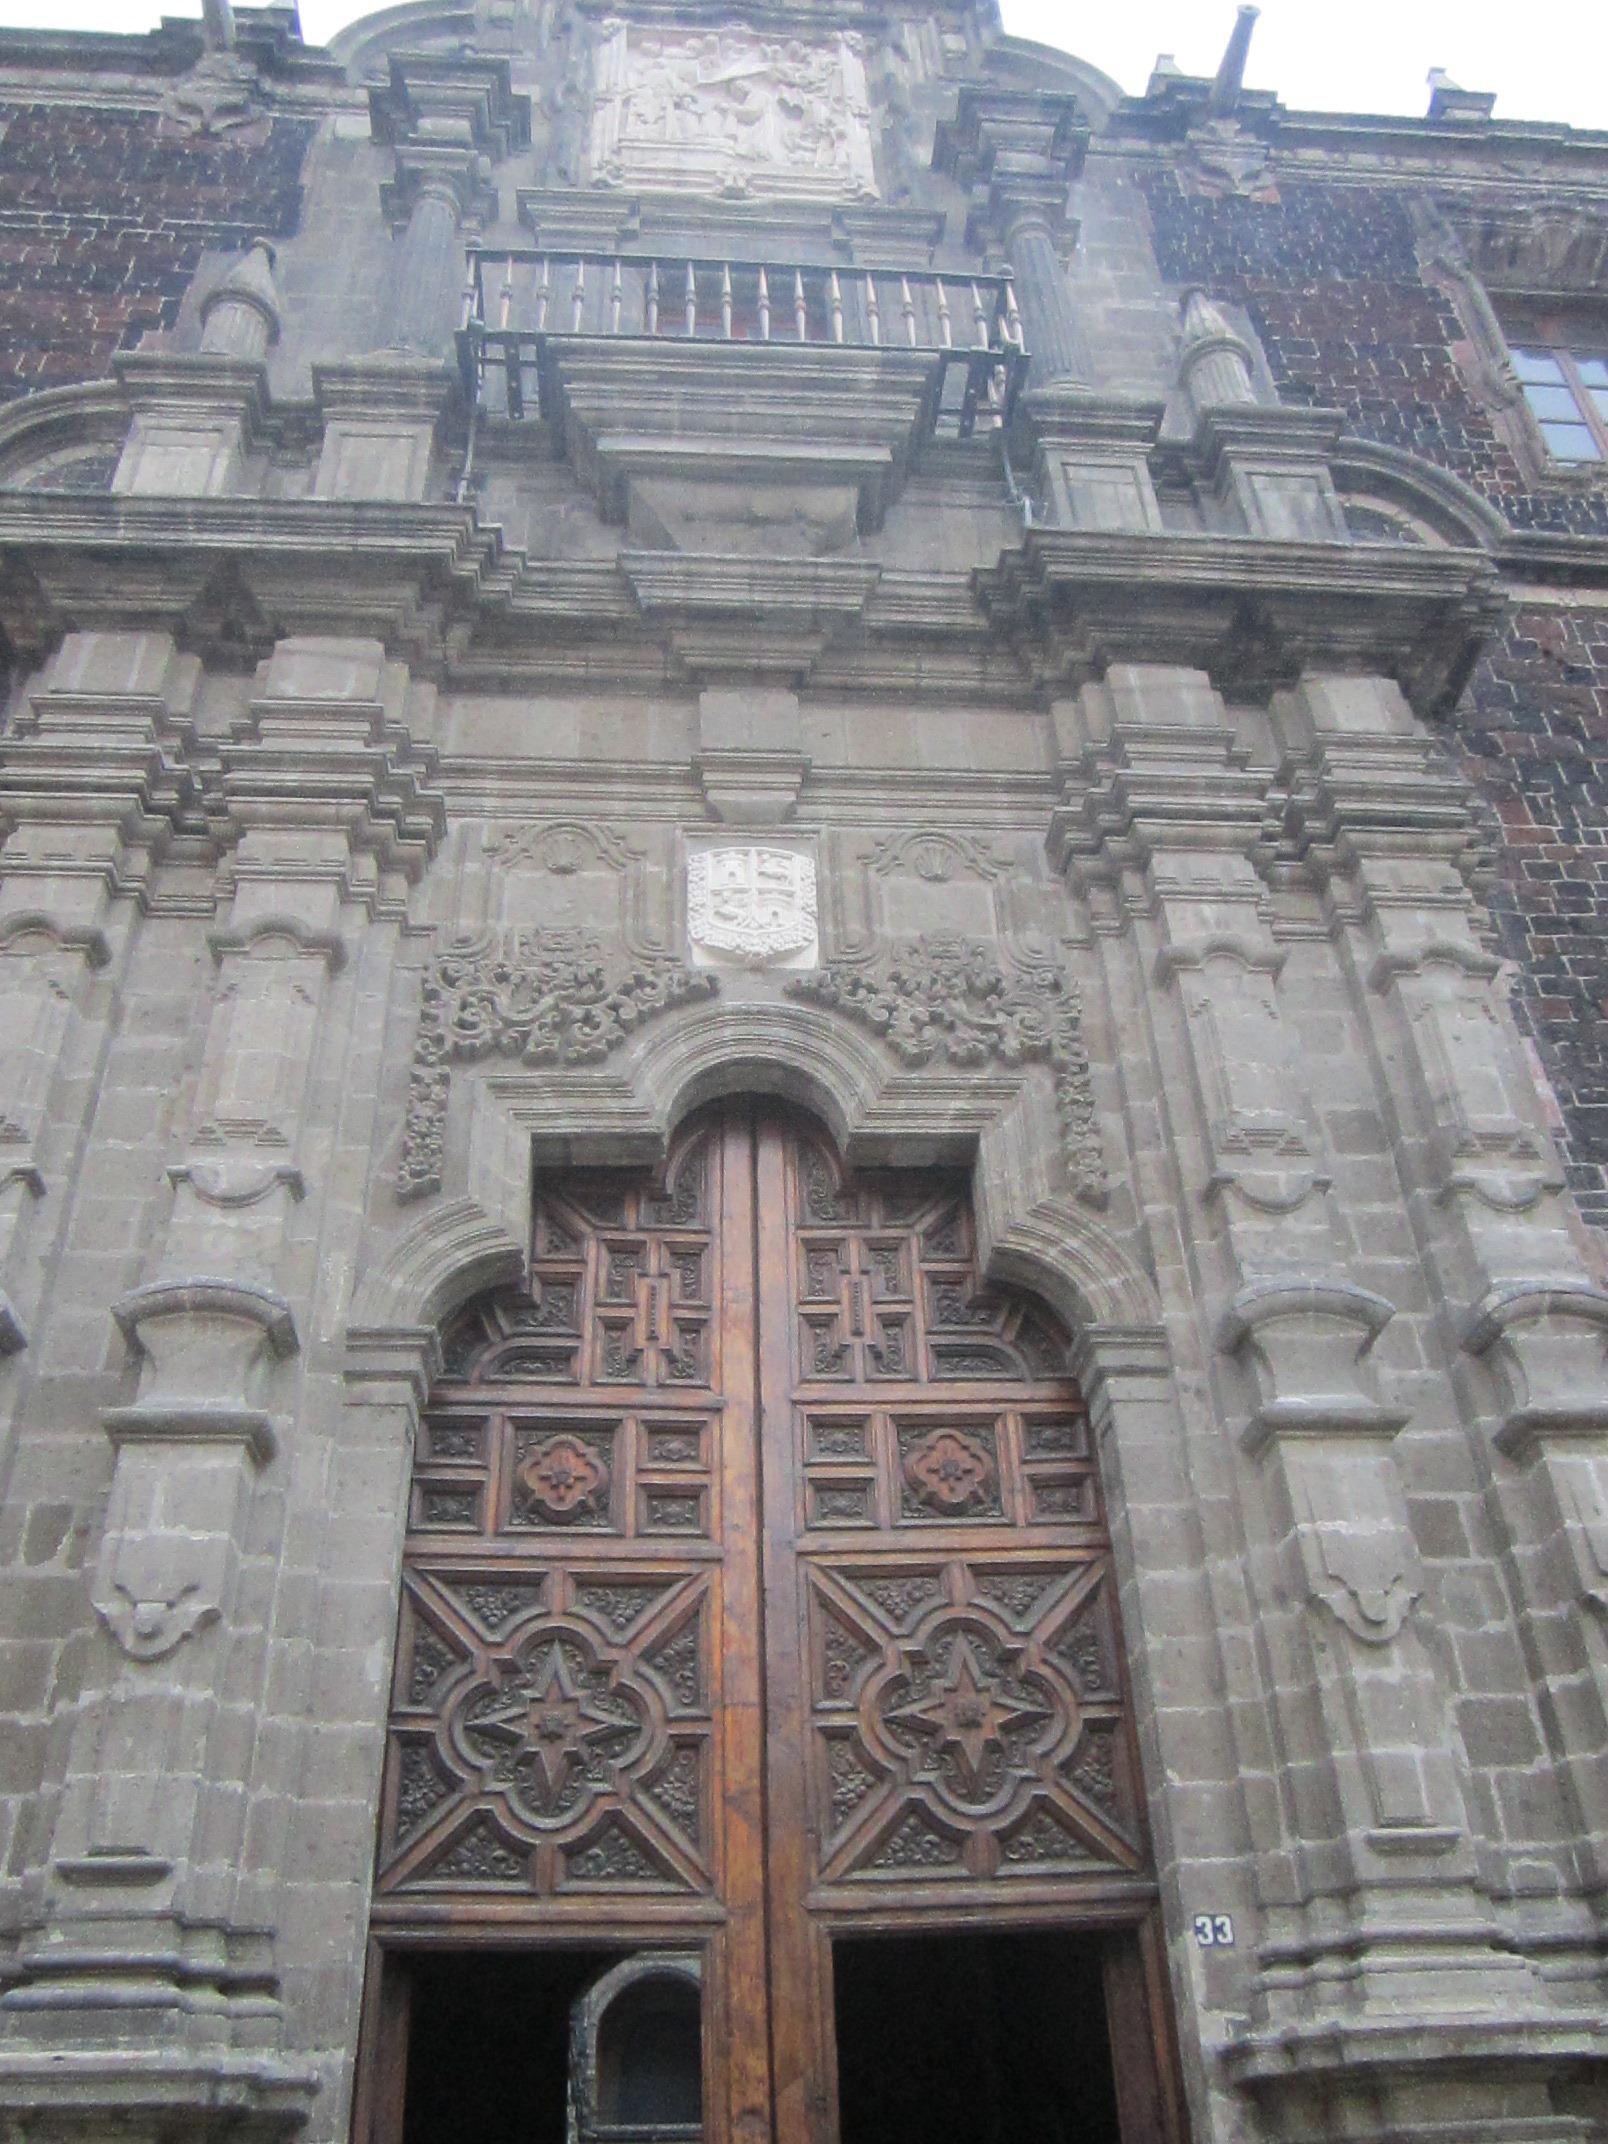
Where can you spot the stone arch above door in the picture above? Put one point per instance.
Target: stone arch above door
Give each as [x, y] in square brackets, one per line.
[1002, 1120]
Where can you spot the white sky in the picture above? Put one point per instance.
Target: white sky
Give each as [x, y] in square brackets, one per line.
[1547, 59]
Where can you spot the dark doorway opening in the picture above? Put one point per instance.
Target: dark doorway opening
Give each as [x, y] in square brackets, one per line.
[489, 2043]
[1000, 2039]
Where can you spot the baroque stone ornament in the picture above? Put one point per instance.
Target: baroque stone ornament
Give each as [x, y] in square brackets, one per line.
[757, 904]
[544, 997]
[945, 999]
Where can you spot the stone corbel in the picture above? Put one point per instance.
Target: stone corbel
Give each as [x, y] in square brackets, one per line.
[1305, 1344]
[1548, 1344]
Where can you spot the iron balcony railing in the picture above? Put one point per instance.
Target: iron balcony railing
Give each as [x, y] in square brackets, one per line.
[517, 303]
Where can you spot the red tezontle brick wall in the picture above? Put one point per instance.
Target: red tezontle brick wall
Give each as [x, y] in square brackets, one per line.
[103, 218]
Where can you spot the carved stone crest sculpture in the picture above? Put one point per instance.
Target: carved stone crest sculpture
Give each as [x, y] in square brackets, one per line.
[729, 111]
[754, 905]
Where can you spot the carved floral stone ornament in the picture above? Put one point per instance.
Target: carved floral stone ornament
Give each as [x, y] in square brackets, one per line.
[754, 904]
[544, 997]
[945, 999]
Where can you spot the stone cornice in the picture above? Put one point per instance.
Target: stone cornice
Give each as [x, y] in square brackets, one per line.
[1245, 611]
[437, 586]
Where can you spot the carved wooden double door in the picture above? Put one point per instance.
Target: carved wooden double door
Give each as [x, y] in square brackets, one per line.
[757, 1591]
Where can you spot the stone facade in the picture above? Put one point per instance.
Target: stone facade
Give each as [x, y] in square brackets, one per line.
[1074, 658]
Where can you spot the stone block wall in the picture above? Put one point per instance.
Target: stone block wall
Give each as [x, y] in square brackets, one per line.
[1332, 279]
[104, 217]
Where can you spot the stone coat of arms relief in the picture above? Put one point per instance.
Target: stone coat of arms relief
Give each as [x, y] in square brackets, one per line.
[751, 907]
[730, 111]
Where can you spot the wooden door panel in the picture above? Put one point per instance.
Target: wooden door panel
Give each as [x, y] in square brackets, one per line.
[956, 1669]
[556, 1729]
[552, 1732]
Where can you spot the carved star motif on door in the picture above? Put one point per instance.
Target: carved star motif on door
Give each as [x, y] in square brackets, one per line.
[553, 1721]
[972, 1711]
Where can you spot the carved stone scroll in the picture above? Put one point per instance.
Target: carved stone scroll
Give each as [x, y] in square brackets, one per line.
[544, 997]
[944, 999]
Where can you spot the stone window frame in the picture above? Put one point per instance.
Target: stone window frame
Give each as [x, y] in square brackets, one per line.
[1568, 333]
[1523, 278]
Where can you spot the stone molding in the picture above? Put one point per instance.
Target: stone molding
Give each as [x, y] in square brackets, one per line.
[1304, 1340]
[622, 1111]
[282, 929]
[1250, 612]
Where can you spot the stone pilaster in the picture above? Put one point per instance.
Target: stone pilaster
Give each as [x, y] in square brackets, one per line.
[94, 781]
[1371, 1909]
[1388, 833]
[323, 792]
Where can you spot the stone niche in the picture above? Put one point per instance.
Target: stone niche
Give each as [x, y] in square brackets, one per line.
[731, 111]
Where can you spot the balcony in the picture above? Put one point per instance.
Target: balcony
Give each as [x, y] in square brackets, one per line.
[522, 307]
[723, 404]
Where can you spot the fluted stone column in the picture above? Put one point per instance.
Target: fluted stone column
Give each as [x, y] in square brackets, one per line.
[1267, 462]
[1058, 346]
[427, 274]
[1017, 153]
[450, 119]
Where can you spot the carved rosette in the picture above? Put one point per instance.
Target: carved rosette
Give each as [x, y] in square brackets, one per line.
[543, 997]
[945, 999]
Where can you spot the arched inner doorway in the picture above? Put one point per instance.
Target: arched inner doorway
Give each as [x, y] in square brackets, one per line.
[758, 1605]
